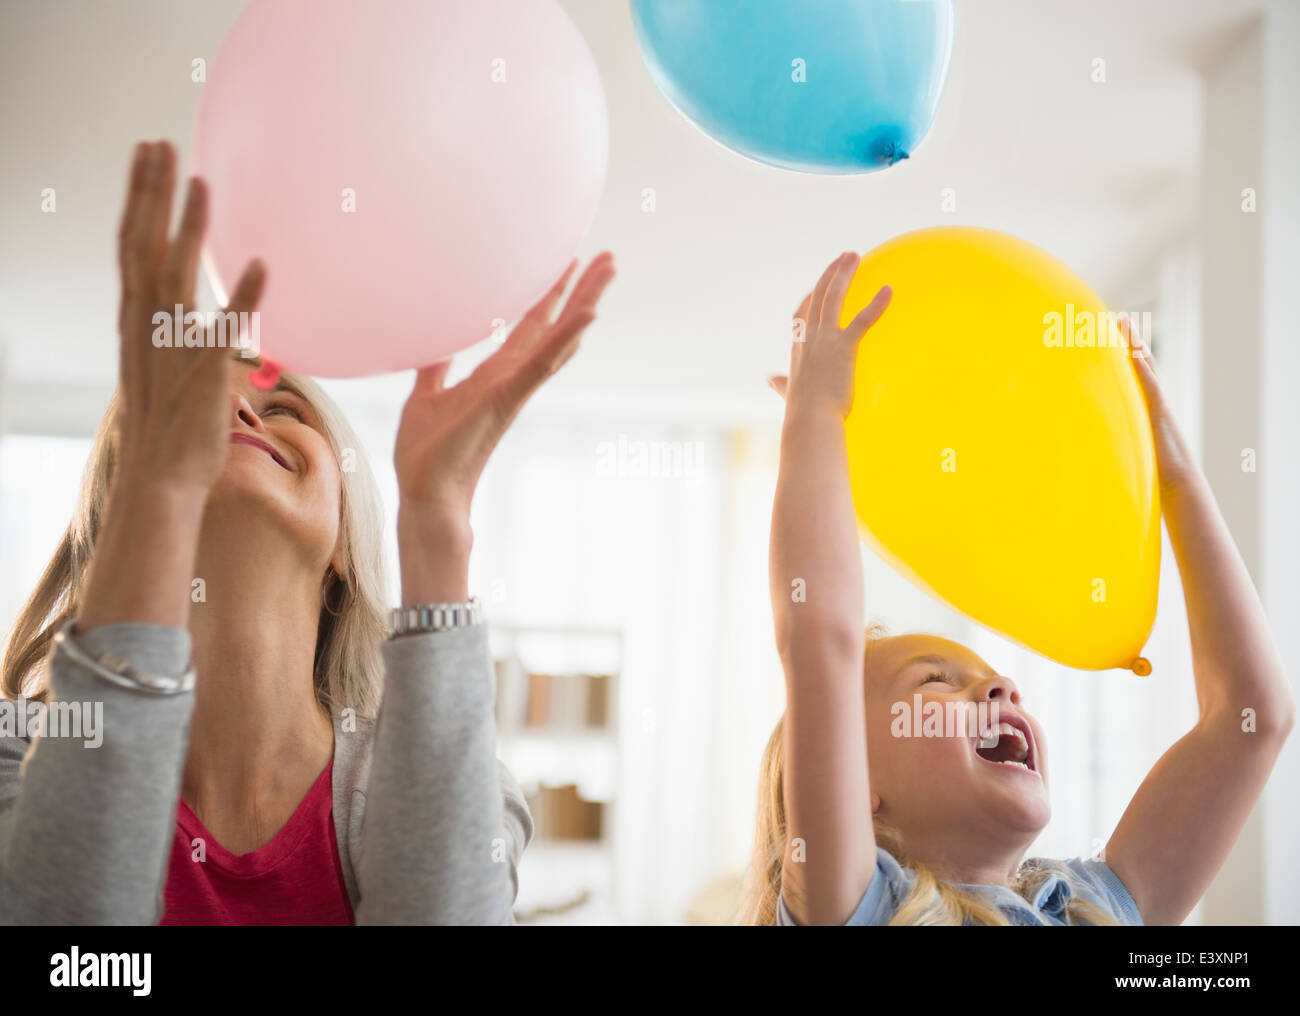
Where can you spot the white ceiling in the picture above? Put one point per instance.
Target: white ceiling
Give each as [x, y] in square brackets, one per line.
[1102, 175]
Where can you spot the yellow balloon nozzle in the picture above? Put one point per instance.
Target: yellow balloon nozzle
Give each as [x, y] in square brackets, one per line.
[1141, 666]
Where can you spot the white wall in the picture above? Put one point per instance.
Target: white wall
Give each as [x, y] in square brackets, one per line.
[1279, 520]
[1251, 264]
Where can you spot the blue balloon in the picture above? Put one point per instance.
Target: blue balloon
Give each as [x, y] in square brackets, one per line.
[822, 86]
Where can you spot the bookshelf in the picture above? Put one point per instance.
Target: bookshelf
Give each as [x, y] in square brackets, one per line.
[557, 732]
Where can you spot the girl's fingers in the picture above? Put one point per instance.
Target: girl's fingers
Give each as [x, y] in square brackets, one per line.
[838, 289]
[1143, 366]
[180, 270]
[778, 383]
[801, 312]
[819, 290]
[869, 314]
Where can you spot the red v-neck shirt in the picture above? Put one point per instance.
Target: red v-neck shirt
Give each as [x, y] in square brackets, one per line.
[294, 879]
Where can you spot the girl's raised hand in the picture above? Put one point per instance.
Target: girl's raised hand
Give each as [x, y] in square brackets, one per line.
[1174, 460]
[823, 355]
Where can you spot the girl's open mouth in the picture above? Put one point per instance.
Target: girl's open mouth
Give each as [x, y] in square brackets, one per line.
[1012, 749]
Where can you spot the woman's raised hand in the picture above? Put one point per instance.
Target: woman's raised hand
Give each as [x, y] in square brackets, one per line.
[446, 434]
[175, 409]
[175, 401]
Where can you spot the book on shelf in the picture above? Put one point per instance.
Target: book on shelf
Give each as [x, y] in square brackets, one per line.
[538, 700]
[561, 813]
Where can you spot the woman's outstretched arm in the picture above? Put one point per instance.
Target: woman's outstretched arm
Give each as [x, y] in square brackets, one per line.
[1187, 814]
[443, 833]
[85, 821]
[815, 574]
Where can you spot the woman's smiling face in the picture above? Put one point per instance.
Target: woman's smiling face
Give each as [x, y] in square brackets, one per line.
[927, 784]
[280, 464]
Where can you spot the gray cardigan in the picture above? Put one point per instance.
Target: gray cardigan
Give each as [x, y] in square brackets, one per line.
[430, 824]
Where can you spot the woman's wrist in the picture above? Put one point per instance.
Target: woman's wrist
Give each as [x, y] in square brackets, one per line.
[433, 551]
[142, 570]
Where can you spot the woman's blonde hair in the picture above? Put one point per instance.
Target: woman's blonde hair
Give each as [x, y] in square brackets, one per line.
[348, 668]
[930, 901]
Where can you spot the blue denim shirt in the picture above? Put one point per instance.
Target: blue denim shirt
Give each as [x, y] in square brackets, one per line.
[1094, 880]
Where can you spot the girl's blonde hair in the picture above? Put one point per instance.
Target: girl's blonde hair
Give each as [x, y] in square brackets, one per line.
[348, 668]
[930, 901]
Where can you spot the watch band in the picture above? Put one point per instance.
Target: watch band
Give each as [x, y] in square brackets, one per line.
[118, 671]
[430, 617]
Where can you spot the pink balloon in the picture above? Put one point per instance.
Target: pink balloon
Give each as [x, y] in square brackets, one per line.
[469, 138]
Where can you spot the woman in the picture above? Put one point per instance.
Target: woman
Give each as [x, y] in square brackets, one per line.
[227, 539]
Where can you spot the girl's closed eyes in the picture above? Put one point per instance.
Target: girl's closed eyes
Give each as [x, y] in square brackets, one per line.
[906, 826]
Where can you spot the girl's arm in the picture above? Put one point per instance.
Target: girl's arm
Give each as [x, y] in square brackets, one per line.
[818, 609]
[443, 830]
[1187, 814]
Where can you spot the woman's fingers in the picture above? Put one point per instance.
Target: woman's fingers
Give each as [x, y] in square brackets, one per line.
[778, 383]
[247, 294]
[248, 290]
[150, 235]
[549, 357]
[587, 293]
[869, 314]
[545, 307]
[535, 331]
[429, 380]
[535, 321]
[135, 189]
[561, 340]
[179, 272]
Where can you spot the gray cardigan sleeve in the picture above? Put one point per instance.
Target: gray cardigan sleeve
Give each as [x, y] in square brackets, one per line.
[444, 824]
[86, 831]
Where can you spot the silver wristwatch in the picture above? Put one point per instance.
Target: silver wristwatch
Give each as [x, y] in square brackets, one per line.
[428, 617]
[115, 670]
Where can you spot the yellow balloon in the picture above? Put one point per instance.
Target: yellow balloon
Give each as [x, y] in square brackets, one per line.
[999, 446]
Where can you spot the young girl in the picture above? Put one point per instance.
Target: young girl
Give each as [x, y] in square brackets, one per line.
[856, 826]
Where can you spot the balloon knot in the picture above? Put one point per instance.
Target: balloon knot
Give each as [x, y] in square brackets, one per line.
[1141, 666]
[897, 155]
[266, 376]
